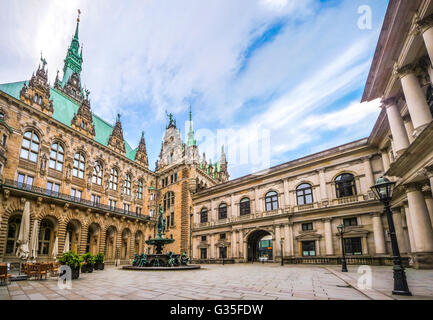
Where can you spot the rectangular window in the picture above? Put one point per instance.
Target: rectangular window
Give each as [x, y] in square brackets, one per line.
[307, 226]
[353, 246]
[138, 211]
[166, 181]
[203, 253]
[175, 177]
[172, 219]
[203, 238]
[25, 181]
[168, 222]
[222, 236]
[126, 207]
[150, 213]
[350, 222]
[52, 187]
[308, 248]
[96, 200]
[171, 178]
[76, 194]
[112, 203]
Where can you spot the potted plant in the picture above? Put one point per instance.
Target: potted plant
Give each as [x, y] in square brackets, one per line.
[72, 260]
[88, 262]
[99, 261]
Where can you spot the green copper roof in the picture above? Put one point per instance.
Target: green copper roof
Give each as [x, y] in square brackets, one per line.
[64, 109]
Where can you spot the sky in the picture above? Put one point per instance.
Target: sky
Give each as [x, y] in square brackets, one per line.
[271, 80]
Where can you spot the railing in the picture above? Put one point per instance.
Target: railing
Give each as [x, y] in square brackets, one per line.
[351, 199]
[57, 195]
[371, 261]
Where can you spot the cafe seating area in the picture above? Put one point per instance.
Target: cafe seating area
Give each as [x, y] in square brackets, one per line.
[40, 270]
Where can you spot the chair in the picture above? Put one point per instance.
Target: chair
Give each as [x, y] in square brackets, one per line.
[4, 275]
[32, 270]
[54, 268]
[42, 270]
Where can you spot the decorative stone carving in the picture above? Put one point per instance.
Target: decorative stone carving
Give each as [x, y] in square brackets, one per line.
[83, 119]
[116, 138]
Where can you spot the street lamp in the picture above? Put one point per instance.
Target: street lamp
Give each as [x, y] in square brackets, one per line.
[383, 190]
[282, 253]
[341, 230]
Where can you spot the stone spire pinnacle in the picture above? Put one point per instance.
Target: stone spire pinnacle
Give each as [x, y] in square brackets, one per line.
[191, 141]
[141, 154]
[116, 138]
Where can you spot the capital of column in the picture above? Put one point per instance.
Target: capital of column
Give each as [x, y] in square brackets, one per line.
[405, 70]
[411, 187]
[425, 24]
[376, 214]
[389, 102]
[327, 219]
[427, 172]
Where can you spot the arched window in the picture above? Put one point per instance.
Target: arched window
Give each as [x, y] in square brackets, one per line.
[78, 169]
[203, 215]
[97, 173]
[114, 177]
[12, 235]
[127, 185]
[140, 189]
[345, 185]
[45, 232]
[168, 200]
[271, 201]
[245, 206]
[304, 194]
[30, 146]
[222, 211]
[57, 156]
[36, 98]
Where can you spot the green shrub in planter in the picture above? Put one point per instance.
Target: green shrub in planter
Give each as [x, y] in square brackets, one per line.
[88, 262]
[72, 260]
[99, 261]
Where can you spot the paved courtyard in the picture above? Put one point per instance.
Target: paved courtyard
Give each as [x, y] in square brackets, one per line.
[238, 282]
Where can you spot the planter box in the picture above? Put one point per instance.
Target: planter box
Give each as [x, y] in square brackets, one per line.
[87, 268]
[99, 266]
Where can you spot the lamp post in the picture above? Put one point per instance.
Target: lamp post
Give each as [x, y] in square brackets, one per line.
[224, 253]
[383, 190]
[282, 253]
[341, 230]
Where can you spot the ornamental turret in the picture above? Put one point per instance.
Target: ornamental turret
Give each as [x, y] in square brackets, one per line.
[83, 119]
[116, 141]
[141, 153]
[37, 92]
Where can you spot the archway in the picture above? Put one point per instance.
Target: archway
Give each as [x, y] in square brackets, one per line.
[257, 248]
[13, 226]
[74, 230]
[47, 235]
[92, 244]
[110, 243]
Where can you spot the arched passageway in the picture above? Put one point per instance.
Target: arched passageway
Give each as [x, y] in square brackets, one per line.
[257, 247]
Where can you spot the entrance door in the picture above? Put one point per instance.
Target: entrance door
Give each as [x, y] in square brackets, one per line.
[255, 250]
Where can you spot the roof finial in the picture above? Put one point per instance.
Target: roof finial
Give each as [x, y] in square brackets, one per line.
[44, 62]
[79, 13]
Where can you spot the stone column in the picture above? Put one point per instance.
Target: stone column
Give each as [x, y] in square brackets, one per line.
[286, 192]
[83, 239]
[232, 205]
[420, 219]
[385, 160]
[276, 242]
[257, 199]
[429, 203]
[399, 232]
[406, 211]
[426, 29]
[323, 191]
[245, 250]
[212, 247]
[379, 237]
[234, 241]
[240, 245]
[328, 237]
[416, 102]
[368, 173]
[286, 241]
[409, 128]
[398, 131]
[291, 240]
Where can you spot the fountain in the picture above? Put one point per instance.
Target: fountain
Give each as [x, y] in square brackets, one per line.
[160, 260]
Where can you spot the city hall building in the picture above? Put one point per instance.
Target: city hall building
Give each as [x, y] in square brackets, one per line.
[83, 179]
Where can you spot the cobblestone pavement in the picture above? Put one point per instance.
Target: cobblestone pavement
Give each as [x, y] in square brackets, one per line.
[235, 282]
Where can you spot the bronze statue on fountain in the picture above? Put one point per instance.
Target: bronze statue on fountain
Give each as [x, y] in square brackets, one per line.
[159, 260]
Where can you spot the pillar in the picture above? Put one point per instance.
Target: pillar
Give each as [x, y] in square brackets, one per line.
[323, 191]
[286, 192]
[287, 240]
[429, 203]
[232, 206]
[212, 247]
[399, 232]
[83, 239]
[385, 160]
[426, 29]
[398, 131]
[328, 238]
[368, 173]
[234, 241]
[256, 199]
[409, 128]
[412, 246]
[420, 218]
[291, 242]
[276, 242]
[379, 237]
[416, 102]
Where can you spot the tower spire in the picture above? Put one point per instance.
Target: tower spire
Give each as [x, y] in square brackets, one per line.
[191, 141]
[78, 24]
